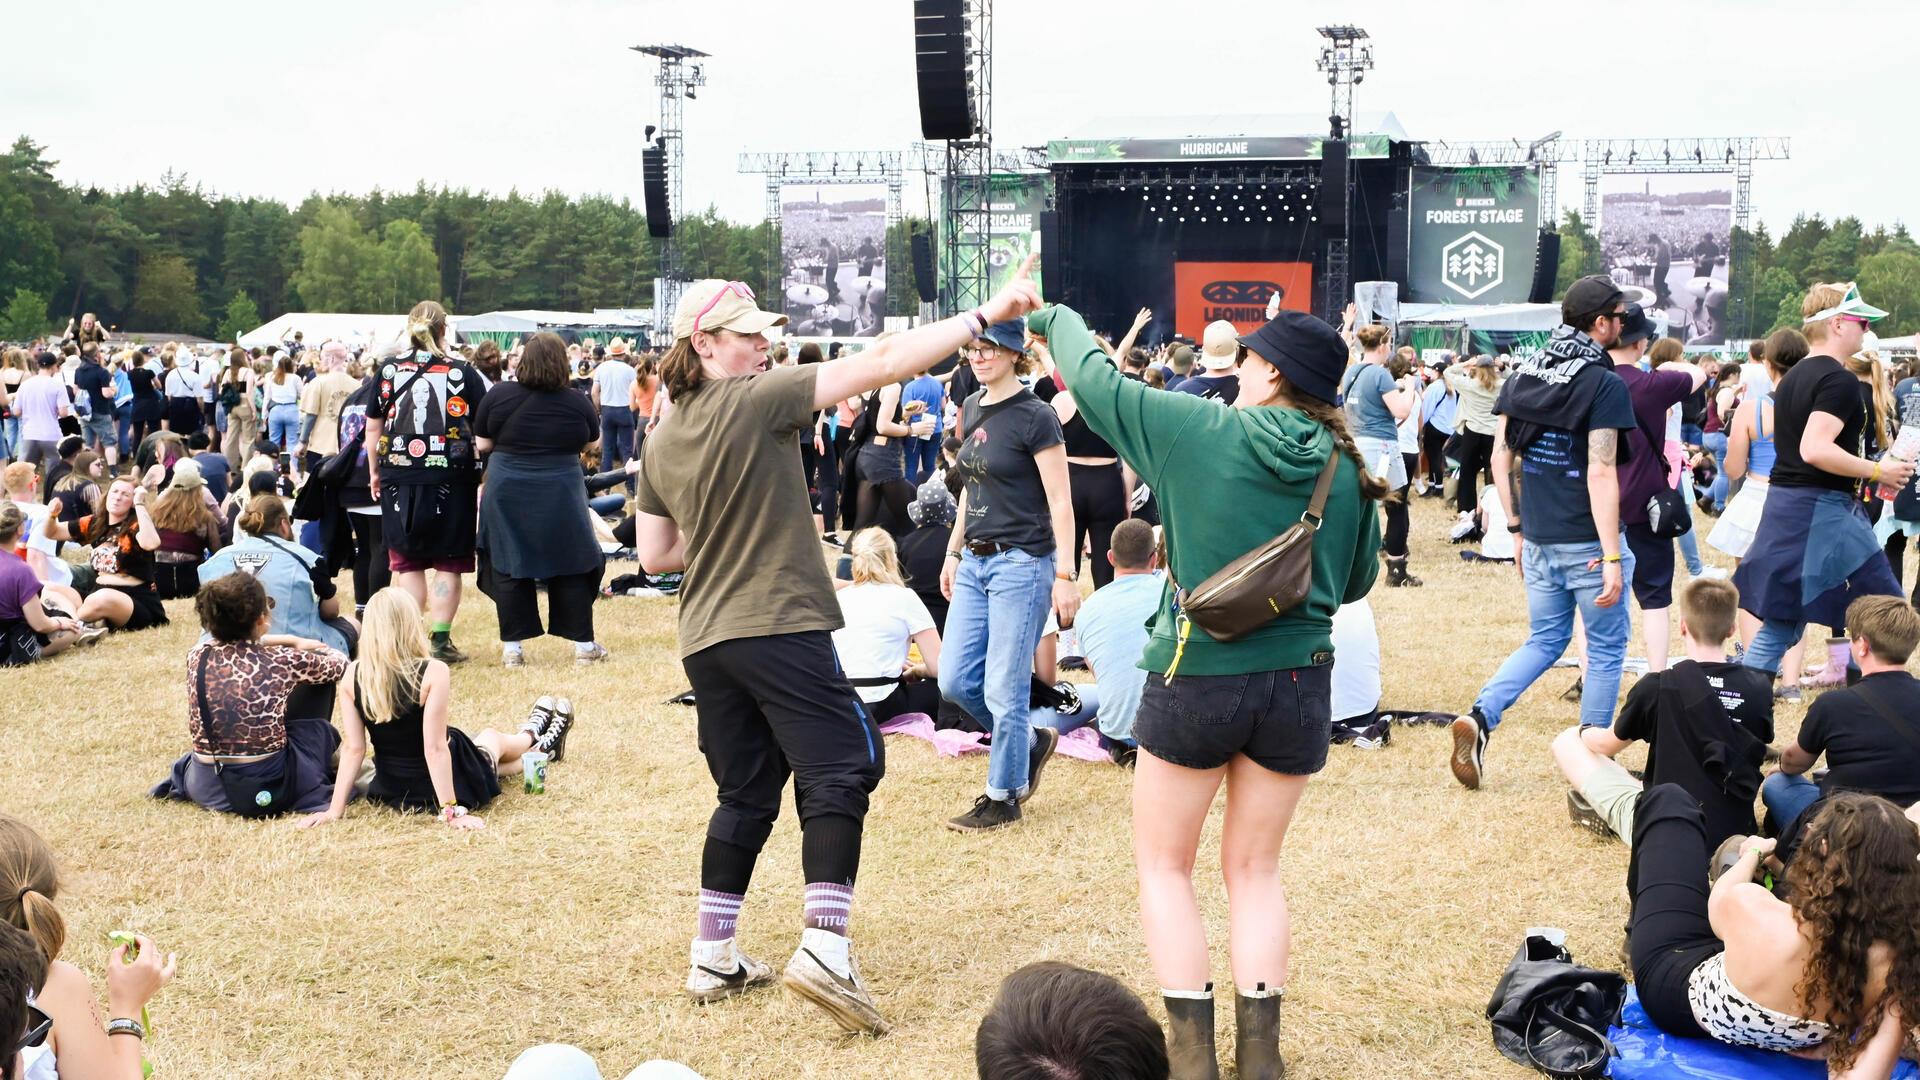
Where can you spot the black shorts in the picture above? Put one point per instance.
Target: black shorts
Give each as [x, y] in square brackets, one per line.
[1281, 720]
[147, 608]
[1652, 567]
[429, 523]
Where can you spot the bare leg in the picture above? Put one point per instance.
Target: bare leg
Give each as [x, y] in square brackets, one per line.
[504, 748]
[1792, 663]
[1260, 805]
[64, 594]
[109, 604]
[1046, 659]
[415, 582]
[58, 644]
[1658, 634]
[1169, 807]
[445, 600]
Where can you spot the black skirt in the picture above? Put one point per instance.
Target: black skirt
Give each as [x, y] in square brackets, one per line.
[405, 785]
[430, 521]
[147, 608]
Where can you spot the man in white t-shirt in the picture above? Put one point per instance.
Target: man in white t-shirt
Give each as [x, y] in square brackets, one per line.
[613, 383]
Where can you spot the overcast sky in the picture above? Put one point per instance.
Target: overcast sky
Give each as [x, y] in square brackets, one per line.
[283, 99]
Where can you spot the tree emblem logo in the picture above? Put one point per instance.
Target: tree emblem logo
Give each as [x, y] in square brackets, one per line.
[1472, 264]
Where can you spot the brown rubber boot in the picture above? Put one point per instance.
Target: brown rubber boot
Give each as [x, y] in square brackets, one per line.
[1190, 1036]
[1256, 1037]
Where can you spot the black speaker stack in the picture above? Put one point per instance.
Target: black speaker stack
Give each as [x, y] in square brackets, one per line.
[1546, 267]
[653, 187]
[940, 60]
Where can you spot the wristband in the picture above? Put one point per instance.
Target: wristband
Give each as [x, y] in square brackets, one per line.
[1514, 528]
[1875, 476]
[126, 1026]
[1753, 850]
[1610, 558]
[977, 320]
[451, 811]
[953, 554]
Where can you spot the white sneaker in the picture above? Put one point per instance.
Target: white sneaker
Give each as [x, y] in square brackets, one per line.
[1461, 526]
[815, 973]
[1715, 573]
[718, 969]
[595, 653]
[513, 657]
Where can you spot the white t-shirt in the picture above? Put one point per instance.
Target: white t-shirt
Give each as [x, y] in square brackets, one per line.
[615, 378]
[1496, 542]
[182, 382]
[209, 367]
[1356, 661]
[1755, 377]
[881, 622]
[1410, 431]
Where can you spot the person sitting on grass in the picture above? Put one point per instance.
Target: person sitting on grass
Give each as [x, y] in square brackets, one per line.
[1706, 723]
[249, 756]
[21, 485]
[1870, 731]
[305, 601]
[1054, 1021]
[1112, 625]
[74, 1045]
[1831, 972]
[27, 631]
[399, 697]
[189, 532]
[883, 617]
[124, 540]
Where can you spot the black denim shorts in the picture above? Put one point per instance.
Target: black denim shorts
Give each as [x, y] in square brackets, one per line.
[1282, 720]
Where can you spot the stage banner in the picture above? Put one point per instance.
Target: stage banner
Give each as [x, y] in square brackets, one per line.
[1236, 292]
[1014, 203]
[1473, 236]
[833, 244]
[1247, 148]
[1666, 238]
[1519, 344]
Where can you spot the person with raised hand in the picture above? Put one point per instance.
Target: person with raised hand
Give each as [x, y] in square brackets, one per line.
[722, 499]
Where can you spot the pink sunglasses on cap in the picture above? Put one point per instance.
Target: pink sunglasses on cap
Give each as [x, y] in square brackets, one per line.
[737, 288]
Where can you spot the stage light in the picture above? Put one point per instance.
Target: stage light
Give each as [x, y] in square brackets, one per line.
[1289, 217]
[1189, 196]
[1608, 160]
[1269, 218]
[1183, 221]
[1123, 187]
[1203, 221]
[1249, 218]
[1143, 198]
[1631, 154]
[1160, 219]
[1697, 159]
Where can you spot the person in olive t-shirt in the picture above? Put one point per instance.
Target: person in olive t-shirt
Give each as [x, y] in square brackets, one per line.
[721, 497]
[423, 469]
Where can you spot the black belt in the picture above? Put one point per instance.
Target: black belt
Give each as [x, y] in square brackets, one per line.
[984, 548]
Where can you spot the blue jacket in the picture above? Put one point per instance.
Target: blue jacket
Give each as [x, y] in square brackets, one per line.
[285, 569]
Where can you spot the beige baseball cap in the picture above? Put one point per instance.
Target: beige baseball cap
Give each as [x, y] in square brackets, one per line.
[721, 305]
[1219, 346]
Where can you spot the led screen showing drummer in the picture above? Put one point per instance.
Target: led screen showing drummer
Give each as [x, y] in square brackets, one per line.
[1667, 239]
[833, 245]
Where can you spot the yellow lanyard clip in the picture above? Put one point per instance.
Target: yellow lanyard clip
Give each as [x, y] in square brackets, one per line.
[1182, 627]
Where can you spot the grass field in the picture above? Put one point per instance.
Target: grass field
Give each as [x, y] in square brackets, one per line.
[386, 946]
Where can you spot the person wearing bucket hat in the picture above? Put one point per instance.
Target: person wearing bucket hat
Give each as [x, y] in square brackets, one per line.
[720, 497]
[1229, 479]
[1003, 570]
[1561, 415]
[1376, 405]
[1820, 422]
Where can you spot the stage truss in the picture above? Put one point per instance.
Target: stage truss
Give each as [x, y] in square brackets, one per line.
[815, 167]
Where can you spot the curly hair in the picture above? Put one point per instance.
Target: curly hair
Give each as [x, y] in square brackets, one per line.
[229, 607]
[1855, 881]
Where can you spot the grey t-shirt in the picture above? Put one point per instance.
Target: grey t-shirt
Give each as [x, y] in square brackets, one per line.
[1368, 415]
[1006, 502]
[725, 466]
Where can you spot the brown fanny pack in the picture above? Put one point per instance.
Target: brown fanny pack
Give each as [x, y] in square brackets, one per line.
[1258, 587]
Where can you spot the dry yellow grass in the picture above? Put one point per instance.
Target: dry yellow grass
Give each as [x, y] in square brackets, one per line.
[386, 946]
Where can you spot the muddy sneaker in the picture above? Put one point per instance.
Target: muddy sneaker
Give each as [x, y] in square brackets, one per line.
[589, 656]
[447, 652]
[720, 970]
[1585, 816]
[987, 814]
[816, 975]
[1469, 750]
[1045, 741]
[538, 717]
[553, 741]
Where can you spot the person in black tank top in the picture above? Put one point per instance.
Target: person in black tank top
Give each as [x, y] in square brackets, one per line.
[1101, 489]
[400, 698]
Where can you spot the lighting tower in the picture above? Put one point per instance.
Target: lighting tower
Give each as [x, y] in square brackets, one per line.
[1346, 63]
[678, 79]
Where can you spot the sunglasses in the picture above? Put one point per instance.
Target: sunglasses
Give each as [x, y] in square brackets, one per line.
[1616, 316]
[38, 1024]
[1862, 320]
[737, 288]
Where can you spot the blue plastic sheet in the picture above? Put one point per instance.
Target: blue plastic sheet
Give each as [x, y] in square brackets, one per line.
[1647, 1053]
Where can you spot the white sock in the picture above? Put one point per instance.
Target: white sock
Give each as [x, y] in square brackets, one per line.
[1261, 991]
[832, 949]
[583, 647]
[510, 648]
[713, 954]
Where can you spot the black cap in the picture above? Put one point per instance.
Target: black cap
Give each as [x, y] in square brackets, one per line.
[1595, 292]
[1306, 350]
[1635, 326]
[48, 359]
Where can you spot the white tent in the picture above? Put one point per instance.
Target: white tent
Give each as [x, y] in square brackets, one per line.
[316, 327]
[1484, 316]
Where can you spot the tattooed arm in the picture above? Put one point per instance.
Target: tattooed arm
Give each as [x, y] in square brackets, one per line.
[1603, 492]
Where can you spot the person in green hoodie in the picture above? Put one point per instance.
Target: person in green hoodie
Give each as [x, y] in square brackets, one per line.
[1254, 712]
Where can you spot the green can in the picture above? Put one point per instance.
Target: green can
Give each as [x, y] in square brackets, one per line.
[533, 772]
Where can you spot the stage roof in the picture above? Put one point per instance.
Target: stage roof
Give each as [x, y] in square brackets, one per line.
[1484, 316]
[1220, 135]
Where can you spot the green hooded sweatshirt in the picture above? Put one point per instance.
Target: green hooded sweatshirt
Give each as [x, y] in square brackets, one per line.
[1228, 480]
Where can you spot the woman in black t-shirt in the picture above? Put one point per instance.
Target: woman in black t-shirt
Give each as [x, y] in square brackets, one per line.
[1001, 571]
[1820, 420]
[534, 522]
[124, 539]
[146, 404]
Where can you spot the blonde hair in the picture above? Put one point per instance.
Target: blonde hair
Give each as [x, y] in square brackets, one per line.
[181, 509]
[427, 328]
[30, 879]
[393, 648]
[1824, 295]
[875, 559]
[1866, 366]
[264, 514]
[16, 477]
[1890, 625]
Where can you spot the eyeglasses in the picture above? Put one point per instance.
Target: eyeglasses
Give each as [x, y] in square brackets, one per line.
[271, 604]
[1616, 316]
[38, 1024]
[737, 288]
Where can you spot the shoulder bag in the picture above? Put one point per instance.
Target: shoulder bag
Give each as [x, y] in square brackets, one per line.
[1667, 515]
[1551, 1015]
[1260, 586]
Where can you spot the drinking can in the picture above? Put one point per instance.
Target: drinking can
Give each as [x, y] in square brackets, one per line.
[533, 772]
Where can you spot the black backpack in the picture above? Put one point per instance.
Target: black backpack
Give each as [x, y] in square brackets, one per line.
[1552, 1016]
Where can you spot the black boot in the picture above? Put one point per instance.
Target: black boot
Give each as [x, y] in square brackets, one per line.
[1190, 1037]
[1256, 1036]
[1397, 576]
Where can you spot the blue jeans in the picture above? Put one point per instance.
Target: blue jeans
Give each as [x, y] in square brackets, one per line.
[999, 608]
[10, 437]
[1787, 797]
[1775, 639]
[1559, 582]
[1690, 540]
[1064, 722]
[283, 425]
[1717, 444]
[923, 456]
[607, 505]
[616, 436]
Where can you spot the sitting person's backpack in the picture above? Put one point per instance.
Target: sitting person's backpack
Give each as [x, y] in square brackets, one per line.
[1551, 1015]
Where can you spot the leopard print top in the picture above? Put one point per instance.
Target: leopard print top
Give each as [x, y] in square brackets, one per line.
[247, 688]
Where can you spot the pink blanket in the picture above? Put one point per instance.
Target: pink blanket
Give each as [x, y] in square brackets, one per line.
[1083, 744]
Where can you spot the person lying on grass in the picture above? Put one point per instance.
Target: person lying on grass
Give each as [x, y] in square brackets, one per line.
[399, 697]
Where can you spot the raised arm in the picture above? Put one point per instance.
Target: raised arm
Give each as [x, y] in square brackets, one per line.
[906, 355]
